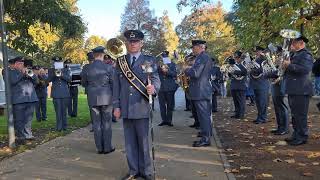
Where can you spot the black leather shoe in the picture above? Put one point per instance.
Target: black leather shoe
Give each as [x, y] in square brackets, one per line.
[199, 134]
[297, 142]
[100, 152]
[289, 139]
[194, 126]
[170, 124]
[260, 122]
[318, 106]
[130, 177]
[280, 133]
[162, 124]
[148, 177]
[214, 111]
[108, 152]
[274, 131]
[201, 144]
[233, 116]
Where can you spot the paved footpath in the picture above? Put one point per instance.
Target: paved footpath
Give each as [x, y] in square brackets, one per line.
[74, 156]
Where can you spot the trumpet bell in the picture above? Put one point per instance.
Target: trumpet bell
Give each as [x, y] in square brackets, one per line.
[290, 34]
[116, 48]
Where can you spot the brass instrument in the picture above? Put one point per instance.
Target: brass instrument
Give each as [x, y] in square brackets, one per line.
[182, 78]
[116, 48]
[288, 36]
[231, 68]
[29, 72]
[58, 72]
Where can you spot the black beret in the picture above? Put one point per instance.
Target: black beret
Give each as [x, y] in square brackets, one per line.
[237, 54]
[57, 59]
[90, 56]
[258, 48]
[165, 54]
[133, 35]
[302, 38]
[231, 61]
[36, 67]
[68, 61]
[198, 42]
[28, 63]
[99, 49]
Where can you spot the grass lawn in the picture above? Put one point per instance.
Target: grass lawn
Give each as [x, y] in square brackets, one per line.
[47, 127]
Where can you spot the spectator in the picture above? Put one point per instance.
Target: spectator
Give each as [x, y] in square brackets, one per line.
[316, 72]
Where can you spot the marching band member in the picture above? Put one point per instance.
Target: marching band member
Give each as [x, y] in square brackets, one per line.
[216, 78]
[73, 100]
[24, 97]
[132, 104]
[97, 79]
[279, 101]
[260, 85]
[200, 90]
[41, 90]
[60, 78]
[238, 85]
[167, 74]
[299, 89]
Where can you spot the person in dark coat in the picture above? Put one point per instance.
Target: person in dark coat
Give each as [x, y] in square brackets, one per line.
[42, 94]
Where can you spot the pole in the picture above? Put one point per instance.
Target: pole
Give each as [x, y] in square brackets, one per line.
[151, 131]
[6, 78]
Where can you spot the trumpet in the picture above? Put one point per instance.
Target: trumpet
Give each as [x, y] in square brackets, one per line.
[29, 72]
[58, 72]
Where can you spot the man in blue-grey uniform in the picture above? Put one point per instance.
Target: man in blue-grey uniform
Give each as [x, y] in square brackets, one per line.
[167, 73]
[279, 100]
[41, 90]
[238, 85]
[216, 79]
[299, 88]
[260, 85]
[97, 79]
[84, 69]
[130, 94]
[200, 90]
[73, 89]
[23, 97]
[60, 78]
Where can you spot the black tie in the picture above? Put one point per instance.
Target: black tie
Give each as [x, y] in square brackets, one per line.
[133, 61]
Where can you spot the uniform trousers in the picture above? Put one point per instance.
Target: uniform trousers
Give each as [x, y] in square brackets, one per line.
[261, 97]
[22, 115]
[166, 102]
[41, 109]
[60, 107]
[203, 109]
[136, 135]
[239, 101]
[73, 102]
[281, 111]
[299, 105]
[101, 119]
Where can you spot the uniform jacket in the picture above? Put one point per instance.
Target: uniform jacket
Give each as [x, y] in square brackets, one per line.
[97, 79]
[200, 86]
[168, 80]
[277, 89]
[22, 87]
[298, 74]
[262, 82]
[132, 104]
[216, 79]
[239, 84]
[41, 87]
[60, 85]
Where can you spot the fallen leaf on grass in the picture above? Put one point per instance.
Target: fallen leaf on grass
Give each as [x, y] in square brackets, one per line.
[290, 154]
[245, 168]
[235, 171]
[235, 155]
[277, 160]
[264, 175]
[228, 150]
[314, 155]
[315, 163]
[308, 174]
[315, 136]
[302, 164]
[281, 143]
[230, 161]
[202, 173]
[252, 145]
[245, 134]
[227, 171]
[77, 159]
[290, 161]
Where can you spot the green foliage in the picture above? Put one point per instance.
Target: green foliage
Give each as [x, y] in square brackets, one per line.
[94, 41]
[260, 21]
[195, 4]
[207, 23]
[35, 26]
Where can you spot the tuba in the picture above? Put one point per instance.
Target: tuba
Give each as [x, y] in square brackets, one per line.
[116, 48]
[288, 36]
